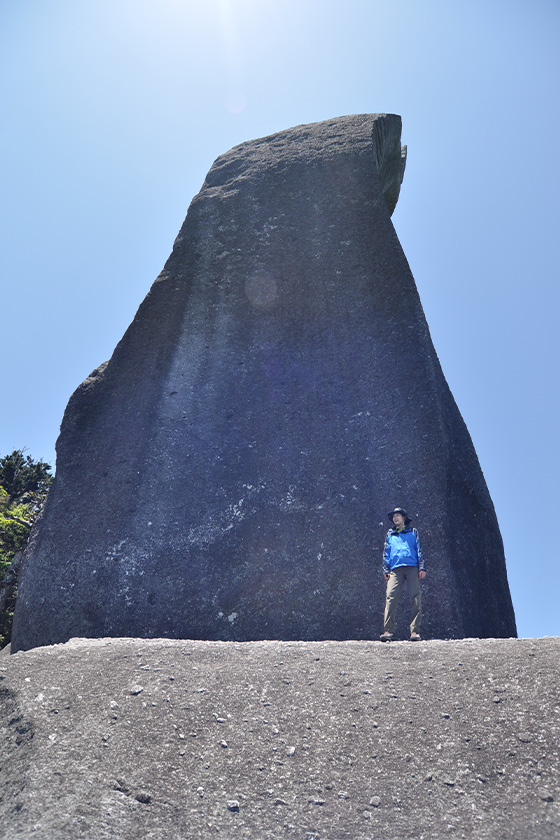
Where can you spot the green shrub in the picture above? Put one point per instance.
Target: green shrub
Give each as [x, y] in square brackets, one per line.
[24, 486]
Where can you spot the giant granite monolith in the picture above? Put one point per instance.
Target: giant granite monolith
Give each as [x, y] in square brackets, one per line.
[227, 474]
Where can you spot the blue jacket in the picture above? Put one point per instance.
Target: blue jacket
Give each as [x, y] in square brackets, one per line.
[403, 548]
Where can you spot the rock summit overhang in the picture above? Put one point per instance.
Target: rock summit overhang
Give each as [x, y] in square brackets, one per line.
[375, 135]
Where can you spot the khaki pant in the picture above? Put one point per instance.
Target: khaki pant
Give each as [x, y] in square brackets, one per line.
[394, 590]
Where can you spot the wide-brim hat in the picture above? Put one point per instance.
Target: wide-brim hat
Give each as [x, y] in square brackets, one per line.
[403, 512]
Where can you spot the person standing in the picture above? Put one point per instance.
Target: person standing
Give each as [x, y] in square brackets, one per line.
[403, 560]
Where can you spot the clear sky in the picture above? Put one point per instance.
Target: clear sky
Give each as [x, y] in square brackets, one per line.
[113, 111]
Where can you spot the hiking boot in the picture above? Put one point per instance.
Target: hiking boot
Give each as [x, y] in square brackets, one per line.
[386, 637]
[415, 637]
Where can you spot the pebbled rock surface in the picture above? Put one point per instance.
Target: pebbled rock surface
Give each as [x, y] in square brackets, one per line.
[127, 738]
[227, 474]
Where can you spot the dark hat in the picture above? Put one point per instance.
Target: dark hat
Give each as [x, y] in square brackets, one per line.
[402, 511]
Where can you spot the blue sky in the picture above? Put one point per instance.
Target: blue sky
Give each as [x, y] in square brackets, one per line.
[113, 111]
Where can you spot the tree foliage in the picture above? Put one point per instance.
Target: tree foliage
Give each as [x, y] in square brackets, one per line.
[21, 476]
[24, 485]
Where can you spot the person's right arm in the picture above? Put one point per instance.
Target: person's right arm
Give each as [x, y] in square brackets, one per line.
[386, 569]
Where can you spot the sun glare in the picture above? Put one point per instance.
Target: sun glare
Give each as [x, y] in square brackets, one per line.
[235, 101]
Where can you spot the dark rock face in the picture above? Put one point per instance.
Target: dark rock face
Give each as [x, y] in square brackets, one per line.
[128, 738]
[227, 474]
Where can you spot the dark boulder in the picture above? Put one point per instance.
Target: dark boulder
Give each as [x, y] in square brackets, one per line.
[226, 475]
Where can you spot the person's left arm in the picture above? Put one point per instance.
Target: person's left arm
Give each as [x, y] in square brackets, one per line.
[421, 558]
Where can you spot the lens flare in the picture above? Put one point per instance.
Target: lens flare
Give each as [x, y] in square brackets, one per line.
[236, 104]
[261, 290]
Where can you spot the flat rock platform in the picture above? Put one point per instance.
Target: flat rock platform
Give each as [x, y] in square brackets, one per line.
[127, 738]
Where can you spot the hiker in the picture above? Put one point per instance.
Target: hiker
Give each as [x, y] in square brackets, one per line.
[403, 560]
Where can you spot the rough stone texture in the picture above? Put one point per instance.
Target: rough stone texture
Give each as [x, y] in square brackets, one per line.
[228, 473]
[164, 739]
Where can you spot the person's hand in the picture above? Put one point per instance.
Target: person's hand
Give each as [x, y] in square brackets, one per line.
[422, 574]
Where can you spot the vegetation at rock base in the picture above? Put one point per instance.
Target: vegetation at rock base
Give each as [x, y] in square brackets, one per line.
[24, 486]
